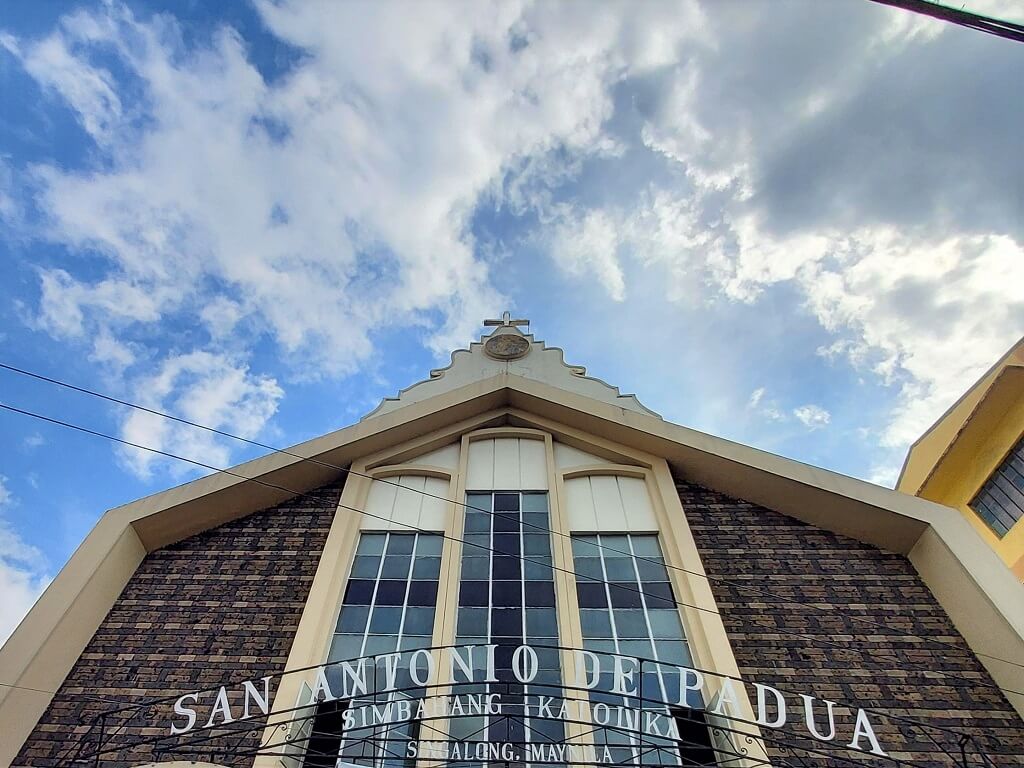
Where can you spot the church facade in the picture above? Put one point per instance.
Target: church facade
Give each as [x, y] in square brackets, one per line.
[512, 563]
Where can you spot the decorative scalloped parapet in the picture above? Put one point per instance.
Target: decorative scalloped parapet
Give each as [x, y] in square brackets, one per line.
[509, 350]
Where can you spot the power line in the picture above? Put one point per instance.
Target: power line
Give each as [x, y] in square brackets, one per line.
[722, 580]
[411, 527]
[988, 24]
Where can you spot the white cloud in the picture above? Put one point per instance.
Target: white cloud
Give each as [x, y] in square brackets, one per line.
[205, 388]
[23, 574]
[755, 397]
[924, 307]
[766, 408]
[30, 443]
[337, 198]
[589, 245]
[812, 416]
[380, 141]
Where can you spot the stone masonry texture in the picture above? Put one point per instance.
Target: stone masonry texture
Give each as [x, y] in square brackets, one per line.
[217, 608]
[878, 639]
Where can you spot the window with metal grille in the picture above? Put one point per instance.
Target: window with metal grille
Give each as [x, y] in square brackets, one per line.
[507, 597]
[388, 606]
[1000, 502]
[627, 608]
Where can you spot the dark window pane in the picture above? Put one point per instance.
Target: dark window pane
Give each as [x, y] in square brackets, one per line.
[540, 594]
[614, 544]
[506, 544]
[588, 566]
[353, 618]
[386, 620]
[474, 593]
[418, 621]
[541, 622]
[624, 596]
[390, 592]
[536, 544]
[585, 546]
[665, 623]
[535, 522]
[506, 523]
[506, 567]
[651, 570]
[535, 502]
[477, 544]
[659, 594]
[477, 522]
[507, 622]
[537, 571]
[507, 593]
[591, 595]
[672, 652]
[377, 644]
[474, 568]
[506, 502]
[548, 658]
[346, 647]
[371, 544]
[426, 567]
[596, 623]
[365, 567]
[358, 592]
[401, 543]
[630, 623]
[395, 567]
[429, 546]
[472, 621]
[619, 568]
[645, 546]
[422, 593]
[479, 501]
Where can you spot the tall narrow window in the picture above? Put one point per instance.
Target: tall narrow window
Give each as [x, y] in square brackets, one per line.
[1000, 502]
[507, 597]
[627, 608]
[389, 605]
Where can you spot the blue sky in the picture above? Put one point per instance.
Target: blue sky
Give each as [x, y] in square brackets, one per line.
[794, 224]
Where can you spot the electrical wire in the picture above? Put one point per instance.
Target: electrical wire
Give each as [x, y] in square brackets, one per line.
[294, 493]
[1006, 29]
[347, 470]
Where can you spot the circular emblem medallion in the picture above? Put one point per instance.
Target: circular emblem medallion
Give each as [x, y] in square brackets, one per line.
[506, 346]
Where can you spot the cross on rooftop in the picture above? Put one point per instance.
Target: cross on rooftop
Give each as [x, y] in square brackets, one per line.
[507, 321]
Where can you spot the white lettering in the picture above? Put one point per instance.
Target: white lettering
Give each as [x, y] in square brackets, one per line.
[465, 665]
[493, 706]
[414, 667]
[726, 699]
[621, 676]
[492, 676]
[220, 706]
[356, 675]
[690, 680]
[809, 718]
[390, 669]
[525, 670]
[762, 707]
[587, 678]
[251, 694]
[188, 712]
[322, 687]
[863, 728]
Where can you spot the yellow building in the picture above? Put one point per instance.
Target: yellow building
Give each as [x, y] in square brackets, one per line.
[972, 459]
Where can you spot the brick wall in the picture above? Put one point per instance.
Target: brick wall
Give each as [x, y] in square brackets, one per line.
[218, 607]
[935, 679]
